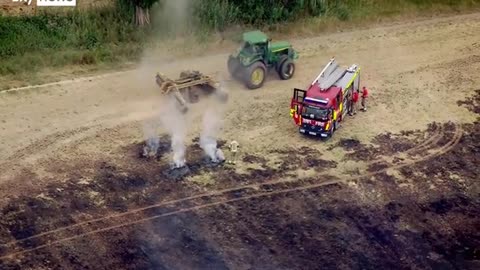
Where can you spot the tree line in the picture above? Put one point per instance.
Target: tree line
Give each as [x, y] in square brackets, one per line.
[219, 14]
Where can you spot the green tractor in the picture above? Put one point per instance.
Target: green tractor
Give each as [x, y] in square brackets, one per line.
[257, 54]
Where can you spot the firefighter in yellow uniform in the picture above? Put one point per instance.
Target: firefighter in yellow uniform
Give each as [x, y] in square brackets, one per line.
[233, 151]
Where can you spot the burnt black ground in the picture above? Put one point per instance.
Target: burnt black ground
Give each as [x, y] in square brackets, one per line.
[430, 224]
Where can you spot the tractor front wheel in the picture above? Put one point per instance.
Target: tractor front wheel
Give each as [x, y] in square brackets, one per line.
[286, 70]
[282, 59]
[255, 75]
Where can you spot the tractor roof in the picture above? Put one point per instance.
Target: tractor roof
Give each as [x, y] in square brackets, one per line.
[255, 37]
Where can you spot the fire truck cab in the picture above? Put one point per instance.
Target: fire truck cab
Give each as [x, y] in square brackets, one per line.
[320, 109]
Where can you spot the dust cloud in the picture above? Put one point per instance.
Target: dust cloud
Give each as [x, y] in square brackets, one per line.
[173, 17]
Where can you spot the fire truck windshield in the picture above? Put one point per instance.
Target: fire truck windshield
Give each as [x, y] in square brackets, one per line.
[314, 113]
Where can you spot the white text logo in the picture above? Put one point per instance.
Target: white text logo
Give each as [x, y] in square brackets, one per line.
[27, 1]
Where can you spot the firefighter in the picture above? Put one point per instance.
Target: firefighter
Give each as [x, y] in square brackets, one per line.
[364, 98]
[233, 151]
[354, 102]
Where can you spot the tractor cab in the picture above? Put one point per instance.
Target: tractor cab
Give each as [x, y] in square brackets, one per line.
[250, 49]
[319, 110]
[254, 44]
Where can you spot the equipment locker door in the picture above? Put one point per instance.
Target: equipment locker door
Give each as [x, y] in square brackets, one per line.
[297, 104]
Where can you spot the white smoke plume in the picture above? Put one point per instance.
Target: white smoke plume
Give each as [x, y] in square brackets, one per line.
[171, 16]
[212, 125]
[150, 129]
[208, 137]
[174, 16]
[175, 124]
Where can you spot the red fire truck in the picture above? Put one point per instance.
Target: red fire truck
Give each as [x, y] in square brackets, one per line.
[320, 109]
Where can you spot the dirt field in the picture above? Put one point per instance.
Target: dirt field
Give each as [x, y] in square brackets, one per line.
[396, 188]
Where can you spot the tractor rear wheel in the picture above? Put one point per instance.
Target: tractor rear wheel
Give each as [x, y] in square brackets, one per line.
[286, 70]
[233, 67]
[255, 75]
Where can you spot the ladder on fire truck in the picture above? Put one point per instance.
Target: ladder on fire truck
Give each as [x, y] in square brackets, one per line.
[333, 75]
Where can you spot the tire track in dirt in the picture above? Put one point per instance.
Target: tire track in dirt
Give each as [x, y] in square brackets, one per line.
[43, 143]
[65, 82]
[433, 139]
[452, 142]
[436, 135]
[53, 141]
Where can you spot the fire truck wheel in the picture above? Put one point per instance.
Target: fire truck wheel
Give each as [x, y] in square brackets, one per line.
[255, 75]
[332, 130]
[287, 69]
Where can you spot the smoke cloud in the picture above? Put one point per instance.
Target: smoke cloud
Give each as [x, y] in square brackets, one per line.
[175, 124]
[173, 16]
[212, 124]
[150, 129]
[169, 17]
